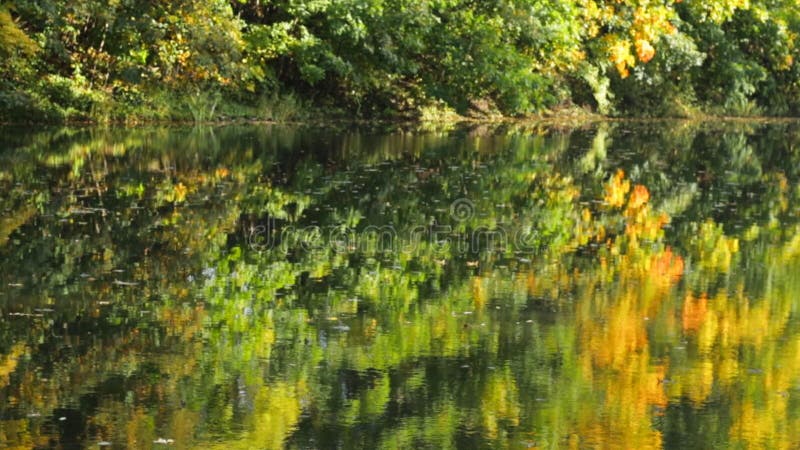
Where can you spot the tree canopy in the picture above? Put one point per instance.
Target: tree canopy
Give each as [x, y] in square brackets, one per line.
[273, 59]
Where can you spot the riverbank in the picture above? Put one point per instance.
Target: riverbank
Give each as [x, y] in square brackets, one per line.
[290, 112]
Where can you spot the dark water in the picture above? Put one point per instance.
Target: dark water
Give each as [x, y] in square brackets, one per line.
[613, 286]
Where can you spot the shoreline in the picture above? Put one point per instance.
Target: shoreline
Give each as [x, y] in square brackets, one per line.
[557, 119]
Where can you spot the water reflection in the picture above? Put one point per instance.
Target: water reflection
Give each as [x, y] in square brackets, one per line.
[172, 287]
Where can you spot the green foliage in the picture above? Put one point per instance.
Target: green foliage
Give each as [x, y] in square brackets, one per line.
[280, 108]
[102, 61]
[202, 105]
[750, 65]
[662, 87]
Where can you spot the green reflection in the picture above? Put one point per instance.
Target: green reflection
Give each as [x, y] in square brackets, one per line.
[622, 285]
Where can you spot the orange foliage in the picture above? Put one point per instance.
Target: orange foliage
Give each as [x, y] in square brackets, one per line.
[639, 197]
[666, 266]
[694, 312]
[644, 50]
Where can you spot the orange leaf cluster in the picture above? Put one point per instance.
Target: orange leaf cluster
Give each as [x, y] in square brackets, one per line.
[644, 50]
[694, 312]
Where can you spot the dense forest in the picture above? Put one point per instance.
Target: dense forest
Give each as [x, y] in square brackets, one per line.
[128, 60]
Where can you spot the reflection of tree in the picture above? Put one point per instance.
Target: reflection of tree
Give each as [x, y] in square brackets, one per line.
[640, 303]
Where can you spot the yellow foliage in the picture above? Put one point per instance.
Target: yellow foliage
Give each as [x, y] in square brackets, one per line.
[9, 224]
[499, 402]
[9, 363]
[712, 248]
[616, 189]
[791, 249]
[12, 38]
[277, 411]
[15, 434]
[620, 55]
[179, 192]
[620, 335]
[140, 429]
[479, 293]
[700, 379]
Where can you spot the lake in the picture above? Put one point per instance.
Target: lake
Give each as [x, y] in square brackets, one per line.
[612, 285]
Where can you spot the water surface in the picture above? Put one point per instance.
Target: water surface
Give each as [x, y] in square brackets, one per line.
[612, 286]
